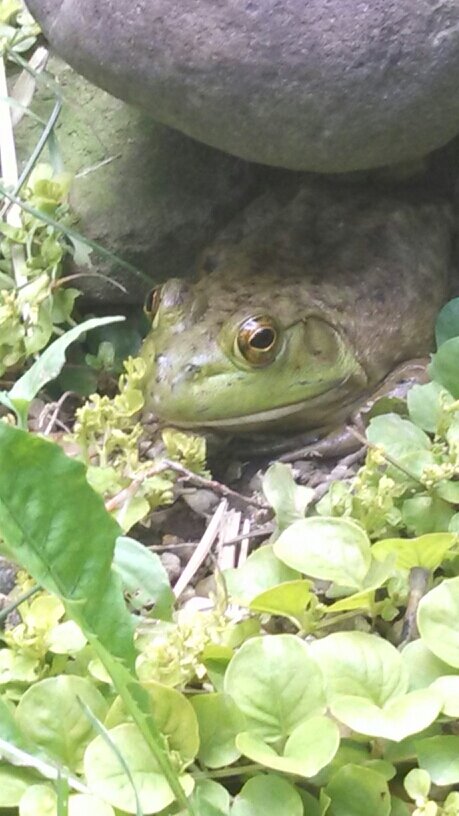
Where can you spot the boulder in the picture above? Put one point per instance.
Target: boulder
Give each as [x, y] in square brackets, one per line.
[149, 194]
[322, 85]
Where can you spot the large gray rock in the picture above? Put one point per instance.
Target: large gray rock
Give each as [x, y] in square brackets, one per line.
[325, 85]
[149, 194]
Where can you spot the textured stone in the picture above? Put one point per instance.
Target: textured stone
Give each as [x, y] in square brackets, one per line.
[324, 85]
[148, 193]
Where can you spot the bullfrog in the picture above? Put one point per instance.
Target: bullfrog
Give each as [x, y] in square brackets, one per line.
[299, 310]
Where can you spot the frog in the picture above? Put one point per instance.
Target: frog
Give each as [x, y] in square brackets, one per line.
[298, 311]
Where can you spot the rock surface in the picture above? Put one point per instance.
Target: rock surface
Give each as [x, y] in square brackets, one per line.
[147, 193]
[323, 85]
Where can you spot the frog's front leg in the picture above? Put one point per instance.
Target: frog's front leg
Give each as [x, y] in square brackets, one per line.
[343, 440]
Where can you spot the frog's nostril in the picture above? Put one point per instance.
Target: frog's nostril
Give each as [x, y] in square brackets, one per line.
[192, 369]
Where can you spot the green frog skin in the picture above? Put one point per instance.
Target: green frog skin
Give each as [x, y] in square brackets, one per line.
[299, 311]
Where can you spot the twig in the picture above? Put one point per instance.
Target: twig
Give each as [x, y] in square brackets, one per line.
[202, 549]
[57, 408]
[418, 581]
[217, 487]
[9, 173]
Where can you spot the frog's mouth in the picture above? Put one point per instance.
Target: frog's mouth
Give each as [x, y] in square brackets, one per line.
[312, 411]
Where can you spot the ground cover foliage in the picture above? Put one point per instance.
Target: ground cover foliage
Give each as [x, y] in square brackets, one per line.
[323, 676]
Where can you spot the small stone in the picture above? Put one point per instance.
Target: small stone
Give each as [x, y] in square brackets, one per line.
[172, 565]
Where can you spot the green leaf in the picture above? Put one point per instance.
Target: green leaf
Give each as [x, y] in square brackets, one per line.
[397, 719]
[261, 571]
[267, 794]
[176, 720]
[426, 514]
[443, 368]
[438, 612]
[219, 722]
[107, 778]
[143, 576]
[210, 799]
[404, 442]
[309, 748]
[448, 689]
[361, 665]
[447, 324]
[275, 667]
[288, 500]
[48, 705]
[423, 666]
[426, 551]
[332, 549]
[38, 800]
[49, 365]
[83, 804]
[13, 784]
[289, 599]
[357, 791]
[424, 405]
[43, 494]
[439, 756]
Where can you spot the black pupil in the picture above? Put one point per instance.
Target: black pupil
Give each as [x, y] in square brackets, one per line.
[262, 339]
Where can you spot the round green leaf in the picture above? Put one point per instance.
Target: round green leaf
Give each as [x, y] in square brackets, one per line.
[261, 571]
[358, 791]
[448, 689]
[447, 323]
[424, 405]
[399, 717]
[14, 782]
[288, 500]
[439, 756]
[176, 719]
[38, 799]
[267, 794]
[360, 664]
[332, 549]
[423, 666]
[438, 613]
[209, 799]
[426, 551]
[289, 599]
[108, 780]
[219, 721]
[310, 747]
[405, 443]
[50, 704]
[83, 804]
[276, 684]
[417, 784]
[443, 368]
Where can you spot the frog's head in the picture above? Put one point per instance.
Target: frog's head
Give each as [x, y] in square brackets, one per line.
[238, 362]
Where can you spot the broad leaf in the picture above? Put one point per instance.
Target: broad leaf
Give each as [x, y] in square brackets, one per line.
[56, 527]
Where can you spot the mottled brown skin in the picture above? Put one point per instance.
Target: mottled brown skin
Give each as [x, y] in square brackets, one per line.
[354, 280]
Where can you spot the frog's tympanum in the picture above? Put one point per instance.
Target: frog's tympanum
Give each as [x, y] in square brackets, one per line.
[301, 308]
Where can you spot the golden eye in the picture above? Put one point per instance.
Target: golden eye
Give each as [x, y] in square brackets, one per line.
[257, 340]
[152, 301]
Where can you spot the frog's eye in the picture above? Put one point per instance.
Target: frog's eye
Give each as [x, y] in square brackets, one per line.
[257, 340]
[152, 301]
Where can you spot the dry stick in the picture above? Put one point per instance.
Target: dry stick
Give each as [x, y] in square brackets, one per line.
[202, 549]
[418, 582]
[217, 487]
[9, 173]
